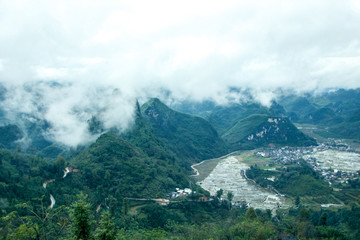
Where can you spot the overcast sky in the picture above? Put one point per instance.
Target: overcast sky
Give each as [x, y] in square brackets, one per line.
[193, 49]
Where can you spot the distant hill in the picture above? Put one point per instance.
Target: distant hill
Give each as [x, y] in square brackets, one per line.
[301, 106]
[324, 116]
[9, 134]
[189, 137]
[225, 117]
[333, 110]
[350, 128]
[260, 130]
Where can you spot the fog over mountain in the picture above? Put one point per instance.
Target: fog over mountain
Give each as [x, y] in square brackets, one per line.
[67, 61]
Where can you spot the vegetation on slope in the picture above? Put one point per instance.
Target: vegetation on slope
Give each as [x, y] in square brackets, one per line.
[113, 166]
[189, 137]
[259, 130]
[225, 117]
[9, 134]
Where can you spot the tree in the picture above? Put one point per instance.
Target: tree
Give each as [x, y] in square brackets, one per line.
[251, 214]
[16, 227]
[323, 219]
[60, 165]
[106, 229]
[268, 214]
[125, 206]
[230, 196]
[297, 201]
[41, 223]
[80, 218]
[304, 215]
[219, 193]
[252, 230]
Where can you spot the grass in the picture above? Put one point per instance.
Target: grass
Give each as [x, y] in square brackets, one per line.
[249, 158]
[353, 143]
[205, 168]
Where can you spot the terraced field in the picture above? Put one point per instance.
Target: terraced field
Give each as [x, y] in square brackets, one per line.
[227, 176]
[343, 161]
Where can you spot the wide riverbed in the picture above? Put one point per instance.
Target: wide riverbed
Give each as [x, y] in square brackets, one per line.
[227, 176]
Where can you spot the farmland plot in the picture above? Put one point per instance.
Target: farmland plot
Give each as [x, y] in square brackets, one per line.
[339, 160]
[227, 176]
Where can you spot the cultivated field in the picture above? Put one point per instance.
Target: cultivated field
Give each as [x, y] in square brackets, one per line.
[227, 176]
[339, 160]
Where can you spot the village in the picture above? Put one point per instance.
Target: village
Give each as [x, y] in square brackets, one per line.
[334, 160]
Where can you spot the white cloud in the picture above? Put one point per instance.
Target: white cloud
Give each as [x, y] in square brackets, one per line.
[1, 64]
[193, 49]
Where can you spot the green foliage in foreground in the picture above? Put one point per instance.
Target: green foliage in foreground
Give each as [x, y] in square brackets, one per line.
[188, 220]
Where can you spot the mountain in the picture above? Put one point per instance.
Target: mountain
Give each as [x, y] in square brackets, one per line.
[189, 137]
[342, 101]
[350, 128]
[225, 117]
[114, 166]
[259, 130]
[332, 110]
[324, 116]
[297, 105]
[9, 134]
[250, 125]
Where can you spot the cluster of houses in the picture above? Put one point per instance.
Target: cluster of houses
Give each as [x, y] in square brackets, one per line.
[332, 176]
[180, 193]
[293, 155]
[285, 155]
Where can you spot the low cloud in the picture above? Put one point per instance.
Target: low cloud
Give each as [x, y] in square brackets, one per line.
[65, 62]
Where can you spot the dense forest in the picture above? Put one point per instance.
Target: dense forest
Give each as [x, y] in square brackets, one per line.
[186, 219]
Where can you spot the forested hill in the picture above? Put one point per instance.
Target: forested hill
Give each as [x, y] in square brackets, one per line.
[110, 168]
[260, 130]
[113, 166]
[189, 137]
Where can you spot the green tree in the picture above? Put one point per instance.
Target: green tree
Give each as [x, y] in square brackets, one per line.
[252, 230]
[219, 193]
[106, 229]
[60, 166]
[304, 215]
[251, 214]
[16, 227]
[80, 218]
[268, 214]
[230, 196]
[125, 206]
[323, 219]
[39, 222]
[297, 201]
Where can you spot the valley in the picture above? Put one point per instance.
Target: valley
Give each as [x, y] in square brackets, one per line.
[230, 175]
[261, 168]
[332, 162]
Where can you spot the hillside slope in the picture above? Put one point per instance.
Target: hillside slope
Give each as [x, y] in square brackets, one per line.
[260, 129]
[123, 170]
[189, 137]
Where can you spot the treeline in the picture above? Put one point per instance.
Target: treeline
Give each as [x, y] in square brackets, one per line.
[294, 180]
[181, 220]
